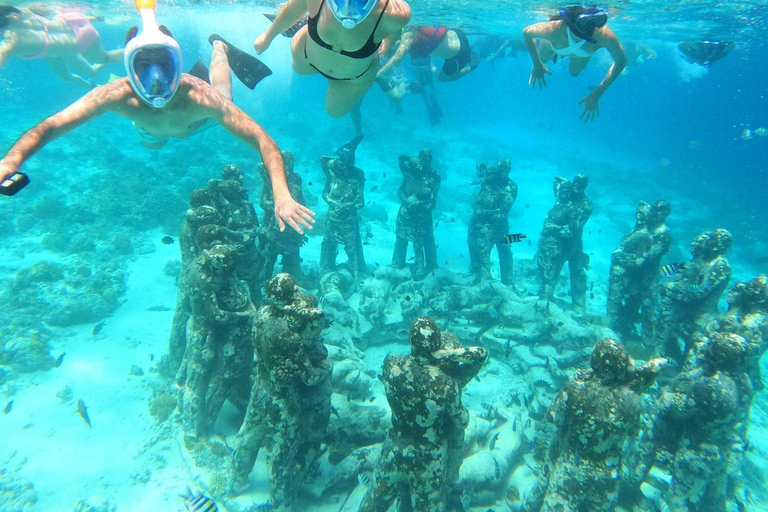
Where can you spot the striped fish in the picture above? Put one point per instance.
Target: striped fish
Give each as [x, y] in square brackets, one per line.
[198, 502]
[514, 238]
[672, 269]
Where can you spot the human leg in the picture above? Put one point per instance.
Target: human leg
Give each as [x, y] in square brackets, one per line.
[219, 72]
[577, 64]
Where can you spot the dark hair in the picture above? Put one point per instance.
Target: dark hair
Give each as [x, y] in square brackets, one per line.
[5, 11]
[582, 20]
[134, 30]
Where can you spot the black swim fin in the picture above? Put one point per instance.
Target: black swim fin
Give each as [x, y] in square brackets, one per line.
[293, 29]
[200, 71]
[247, 68]
[347, 151]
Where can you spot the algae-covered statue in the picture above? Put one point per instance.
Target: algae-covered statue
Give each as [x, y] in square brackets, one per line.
[421, 456]
[273, 242]
[418, 195]
[223, 203]
[597, 411]
[344, 194]
[219, 353]
[290, 403]
[489, 223]
[690, 297]
[635, 267]
[561, 239]
[699, 427]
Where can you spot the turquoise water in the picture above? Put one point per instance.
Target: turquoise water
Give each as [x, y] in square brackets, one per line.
[82, 244]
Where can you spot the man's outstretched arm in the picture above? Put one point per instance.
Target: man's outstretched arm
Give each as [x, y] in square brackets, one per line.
[80, 112]
[249, 131]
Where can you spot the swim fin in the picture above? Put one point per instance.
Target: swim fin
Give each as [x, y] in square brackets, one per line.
[290, 31]
[200, 71]
[433, 110]
[247, 68]
[347, 151]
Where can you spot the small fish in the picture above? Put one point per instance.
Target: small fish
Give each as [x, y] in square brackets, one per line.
[83, 411]
[761, 132]
[384, 174]
[309, 183]
[364, 479]
[529, 242]
[373, 399]
[762, 260]
[746, 134]
[692, 287]
[168, 240]
[151, 357]
[59, 360]
[323, 301]
[514, 424]
[407, 298]
[448, 262]
[496, 469]
[98, 327]
[8, 407]
[493, 312]
[198, 502]
[158, 308]
[672, 269]
[514, 238]
[492, 444]
[475, 183]
[693, 144]
[591, 295]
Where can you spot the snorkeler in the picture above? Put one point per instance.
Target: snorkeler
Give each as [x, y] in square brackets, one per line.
[422, 43]
[704, 53]
[163, 103]
[576, 32]
[341, 42]
[67, 43]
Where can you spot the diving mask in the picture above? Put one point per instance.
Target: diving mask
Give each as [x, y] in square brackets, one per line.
[351, 12]
[153, 61]
[585, 24]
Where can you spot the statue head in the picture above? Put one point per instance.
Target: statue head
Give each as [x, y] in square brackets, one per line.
[611, 362]
[711, 244]
[220, 260]
[232, 172]
[580, 182]
[282, 290]
[425, 337]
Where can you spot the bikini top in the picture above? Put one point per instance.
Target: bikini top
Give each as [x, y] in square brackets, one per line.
[369, 48]
[573, 49]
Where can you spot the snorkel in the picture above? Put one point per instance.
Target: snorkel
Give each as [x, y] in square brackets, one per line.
[351, 12]
[583, 21]
[152, 59]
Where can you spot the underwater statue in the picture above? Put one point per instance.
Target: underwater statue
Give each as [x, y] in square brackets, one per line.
[690, 297]
[489, 223]
[561, 240]
[290, 403]
[596, 413]
[344, 194]
[273, 242]
[219, 353]
[699, 429]
[634, 277]
[418, 194]
[421, 457]
[222, 203]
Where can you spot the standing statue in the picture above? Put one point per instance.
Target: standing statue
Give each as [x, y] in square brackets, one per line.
[596, 413]
[418, 461]
[635, 267]
[690, 297]
[344, 194]
[561, 240]
[219, 353]
[418, 194]
[489, 223]
[290, 402]
[273, 242]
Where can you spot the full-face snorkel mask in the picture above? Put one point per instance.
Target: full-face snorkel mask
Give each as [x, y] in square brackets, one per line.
[153, 59]
[351, 12]
[586, 22]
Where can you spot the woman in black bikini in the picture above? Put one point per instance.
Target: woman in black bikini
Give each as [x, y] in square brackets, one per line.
[340, 41]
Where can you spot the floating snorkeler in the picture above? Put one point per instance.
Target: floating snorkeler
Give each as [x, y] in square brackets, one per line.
[164, 103]
[341, 42]
[704, 53]
[576, 32]
[67, 43]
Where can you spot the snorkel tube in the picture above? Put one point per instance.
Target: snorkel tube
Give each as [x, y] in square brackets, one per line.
[152, 59]
[351, 12]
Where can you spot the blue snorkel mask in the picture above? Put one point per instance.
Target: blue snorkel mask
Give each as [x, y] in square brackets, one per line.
[351, 12]
[584, 21]
[153, 60]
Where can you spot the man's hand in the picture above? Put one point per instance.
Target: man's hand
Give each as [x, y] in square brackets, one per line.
[537, 76]
[261, 43]
[7, 169]
[591, 111]
[288, 210]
